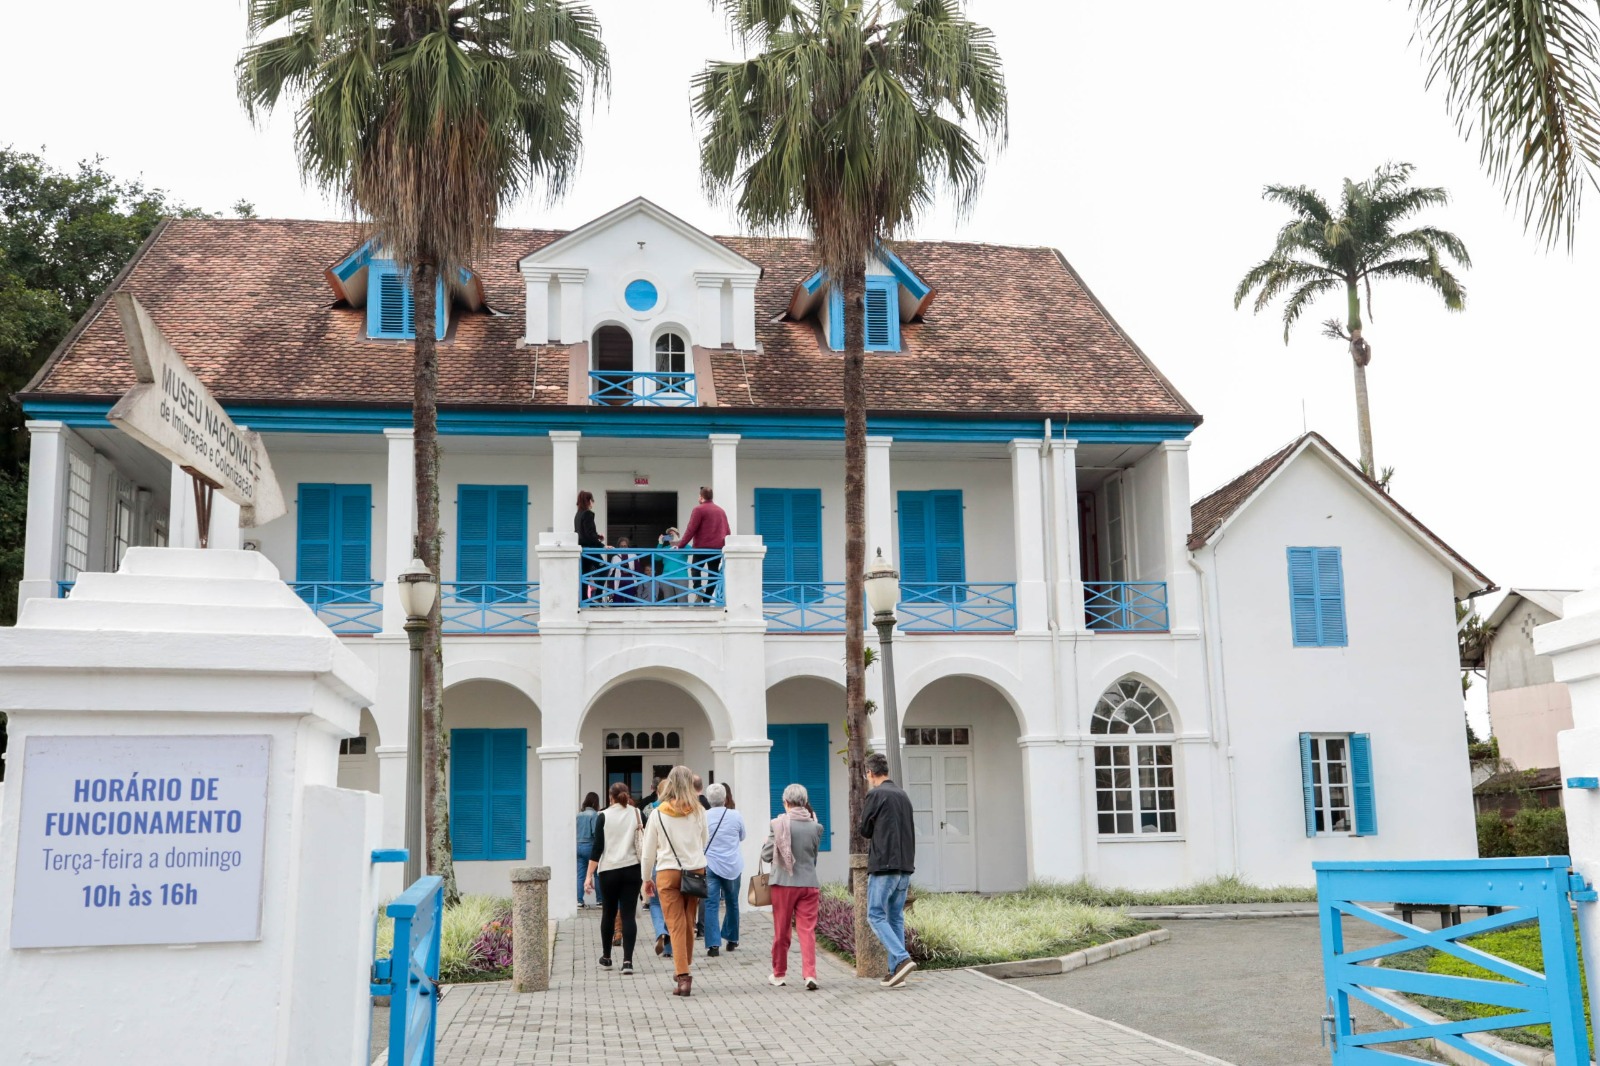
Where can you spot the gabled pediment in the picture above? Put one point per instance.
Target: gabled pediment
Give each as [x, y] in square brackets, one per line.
[639, 220]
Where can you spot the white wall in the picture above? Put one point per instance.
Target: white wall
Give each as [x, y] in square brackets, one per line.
[1397, 680]
[987, 512]
[492, 705]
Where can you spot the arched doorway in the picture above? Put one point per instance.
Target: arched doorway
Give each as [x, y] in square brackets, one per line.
[611, 356]
[637, 731]
[493, 730]
[963, 771]
[805, 722]
[358, 757]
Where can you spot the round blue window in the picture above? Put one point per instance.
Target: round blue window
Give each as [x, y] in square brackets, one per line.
[640, 295]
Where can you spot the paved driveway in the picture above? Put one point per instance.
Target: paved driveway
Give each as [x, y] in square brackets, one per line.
[950, 1018]
[1248, 991]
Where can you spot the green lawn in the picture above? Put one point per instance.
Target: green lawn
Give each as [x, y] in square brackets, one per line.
[1520, 945]
[1220, 890]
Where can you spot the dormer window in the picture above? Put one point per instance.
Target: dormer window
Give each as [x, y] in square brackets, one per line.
[892, 295]
[390, 314]
[882, 312]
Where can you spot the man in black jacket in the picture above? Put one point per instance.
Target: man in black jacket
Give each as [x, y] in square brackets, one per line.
[887, 824]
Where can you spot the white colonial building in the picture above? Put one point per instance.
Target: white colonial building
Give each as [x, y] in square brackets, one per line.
[1094, 679]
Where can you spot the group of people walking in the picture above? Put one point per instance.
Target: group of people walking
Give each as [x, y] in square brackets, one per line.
[628, 575]
[680, 847]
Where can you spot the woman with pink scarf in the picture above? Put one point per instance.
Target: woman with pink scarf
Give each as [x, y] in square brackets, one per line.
[791, 847]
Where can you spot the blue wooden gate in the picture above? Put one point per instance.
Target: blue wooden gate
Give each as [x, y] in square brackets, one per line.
[410, 975]
[1523, 889]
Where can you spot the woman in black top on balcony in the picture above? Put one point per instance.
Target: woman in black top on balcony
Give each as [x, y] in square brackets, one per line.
[588, 537]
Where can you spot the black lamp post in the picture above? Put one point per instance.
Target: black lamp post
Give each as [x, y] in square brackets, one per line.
[418, 591]
[883, 595]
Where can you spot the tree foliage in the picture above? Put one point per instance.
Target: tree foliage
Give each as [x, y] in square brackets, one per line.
[846, 119]
[1522, 80]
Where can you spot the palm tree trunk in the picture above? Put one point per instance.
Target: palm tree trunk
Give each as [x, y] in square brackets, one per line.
[1363, 413]
[854, 283]
[425, 442]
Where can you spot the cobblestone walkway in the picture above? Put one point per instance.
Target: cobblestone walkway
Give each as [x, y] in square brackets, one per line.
[595, 1016]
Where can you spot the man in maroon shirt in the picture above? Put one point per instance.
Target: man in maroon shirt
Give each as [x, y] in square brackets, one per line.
[708, 529]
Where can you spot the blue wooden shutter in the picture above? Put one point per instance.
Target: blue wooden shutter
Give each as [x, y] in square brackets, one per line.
[780, 766]
[1330, 598]
[508, 562]
[389, 310]
[882, 314]
[805, 535]
[835, 319]
[1303, 597]
[772, 526]
[1361, 782]
[314, 551]
[949, 543]
[916, 550]
[508, 793]
[472, 533]
[811, 765]
[1306, 786]
[353, 520]
[469, 793]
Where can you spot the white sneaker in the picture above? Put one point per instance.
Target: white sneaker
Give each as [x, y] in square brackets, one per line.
[811, 984]
[776, 981]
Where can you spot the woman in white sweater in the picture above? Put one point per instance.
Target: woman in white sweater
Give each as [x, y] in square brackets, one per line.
[615, 859]
[675, 841]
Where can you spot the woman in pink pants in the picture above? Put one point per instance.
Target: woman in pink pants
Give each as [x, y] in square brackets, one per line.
[791, 847]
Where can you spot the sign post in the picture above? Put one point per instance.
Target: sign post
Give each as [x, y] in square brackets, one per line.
[172, 413]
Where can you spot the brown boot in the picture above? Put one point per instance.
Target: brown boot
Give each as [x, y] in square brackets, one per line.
[680, 985]
[688, 983]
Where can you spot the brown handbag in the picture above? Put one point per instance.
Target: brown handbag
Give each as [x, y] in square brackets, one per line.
[760, 892]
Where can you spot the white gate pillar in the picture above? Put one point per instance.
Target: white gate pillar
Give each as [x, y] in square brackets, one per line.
[558, 770]
[47, 509]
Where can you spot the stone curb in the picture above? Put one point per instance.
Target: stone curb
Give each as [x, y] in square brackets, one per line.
[1154, 914]
[1076, 960]
[1528, 1056]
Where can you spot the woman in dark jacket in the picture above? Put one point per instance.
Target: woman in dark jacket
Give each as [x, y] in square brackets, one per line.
[588, 538]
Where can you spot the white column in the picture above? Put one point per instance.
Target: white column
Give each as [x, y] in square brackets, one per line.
[558, 767]
[744, 313]
[725, 475]
[225, 532]
[1055, 822]
[102, 509]
[708, 293]
[182, 529]
[1068, 591]
[1027, 505]
[751, 787]
[741, 579]
[400, 523]
[571, 306]
[392, 789]
[1183, 582]
[880, 500]
[563, 477]
[558, 588]
[538, 305]
[47, 511]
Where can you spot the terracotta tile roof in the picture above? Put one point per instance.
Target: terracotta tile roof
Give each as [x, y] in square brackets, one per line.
[1207, 514]
[1012, 331]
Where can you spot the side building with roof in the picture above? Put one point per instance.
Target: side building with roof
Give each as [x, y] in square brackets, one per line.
[1093, 680]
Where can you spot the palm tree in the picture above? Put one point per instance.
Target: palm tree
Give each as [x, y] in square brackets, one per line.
[426, 118]
[1318, 252]
[847, 118]
[1522, 78]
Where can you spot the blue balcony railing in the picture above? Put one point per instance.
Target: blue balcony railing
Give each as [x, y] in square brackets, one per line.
[960, 607]
[659, 577]
[64, 589]
[344, 606]
[632, 388]
[1126, 606]
[964, 607]
[489, 607]
[804, 606]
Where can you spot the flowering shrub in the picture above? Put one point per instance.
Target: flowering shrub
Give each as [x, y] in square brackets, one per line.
[492, 949]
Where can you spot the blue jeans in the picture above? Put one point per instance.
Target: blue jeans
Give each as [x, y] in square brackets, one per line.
[886, 913]
[657, 919]
[583, 873]
[718, 890]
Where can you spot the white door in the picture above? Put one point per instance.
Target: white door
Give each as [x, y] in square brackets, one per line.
[939, 782]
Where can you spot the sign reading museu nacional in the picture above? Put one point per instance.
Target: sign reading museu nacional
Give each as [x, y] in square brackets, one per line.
[140, 840]
[172, 412]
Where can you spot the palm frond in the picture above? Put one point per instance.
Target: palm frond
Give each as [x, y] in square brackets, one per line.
[1520, 79]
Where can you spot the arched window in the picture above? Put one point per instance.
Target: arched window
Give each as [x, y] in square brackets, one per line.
[627, 742]
[672, 354]
[672, 741]
[658, 741]
[1135, 790]
[643, 741]
[613, 742]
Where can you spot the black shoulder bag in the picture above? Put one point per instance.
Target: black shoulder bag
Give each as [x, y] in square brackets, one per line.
[691, 883]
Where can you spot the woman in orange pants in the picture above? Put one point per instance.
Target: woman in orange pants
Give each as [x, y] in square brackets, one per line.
[675, 841]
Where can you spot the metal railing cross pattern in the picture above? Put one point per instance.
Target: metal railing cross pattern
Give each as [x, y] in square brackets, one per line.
[344, 606]
[489, 606]
[1528, 889]
[1126, 606]
[655, 577]
[635, 388]
[410, 975]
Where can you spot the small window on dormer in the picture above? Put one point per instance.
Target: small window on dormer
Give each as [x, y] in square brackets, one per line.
[881, 303]
[671, 354]
[390, 313]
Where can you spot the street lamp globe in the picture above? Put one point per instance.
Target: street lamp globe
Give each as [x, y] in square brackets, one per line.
[882, 585]
[418, 589]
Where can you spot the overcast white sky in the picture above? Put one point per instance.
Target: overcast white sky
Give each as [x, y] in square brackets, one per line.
[1140, 138]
